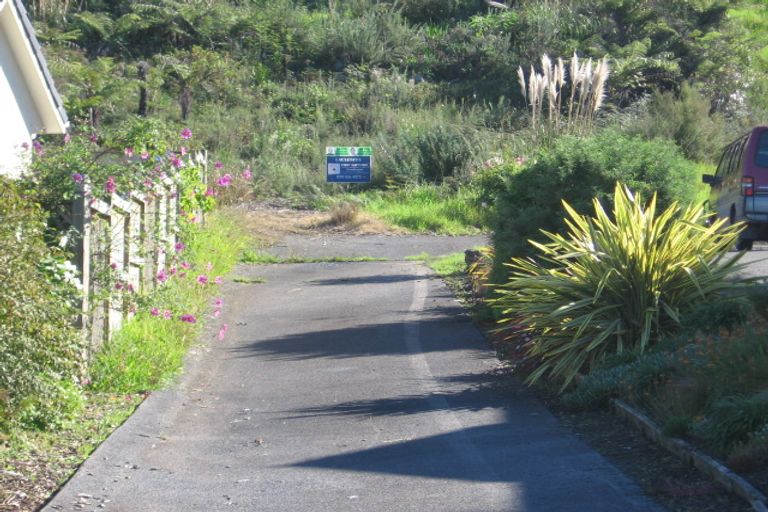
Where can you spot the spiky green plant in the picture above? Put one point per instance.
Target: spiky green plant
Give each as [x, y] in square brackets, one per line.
[616, 281]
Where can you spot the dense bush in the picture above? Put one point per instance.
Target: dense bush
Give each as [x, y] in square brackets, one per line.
[685, 119]
[577, 170]
[40, 352]
[615, 282]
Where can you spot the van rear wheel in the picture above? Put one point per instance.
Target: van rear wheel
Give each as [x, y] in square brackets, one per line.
[744, 244]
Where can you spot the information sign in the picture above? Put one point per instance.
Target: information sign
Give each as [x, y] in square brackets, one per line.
[348, 164]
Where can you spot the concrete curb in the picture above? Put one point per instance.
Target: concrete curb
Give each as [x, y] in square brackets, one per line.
[731, 481]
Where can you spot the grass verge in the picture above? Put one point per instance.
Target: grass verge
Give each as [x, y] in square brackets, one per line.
[427, 209]
[149, 349]
[264, 258]
[143, 355]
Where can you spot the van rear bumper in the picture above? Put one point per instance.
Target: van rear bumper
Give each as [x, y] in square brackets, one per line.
[756, 208]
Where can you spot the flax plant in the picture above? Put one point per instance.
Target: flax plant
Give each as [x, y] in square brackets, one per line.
[587, 93]
[615, 282]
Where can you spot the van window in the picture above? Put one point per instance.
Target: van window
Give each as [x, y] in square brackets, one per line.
[761, 156]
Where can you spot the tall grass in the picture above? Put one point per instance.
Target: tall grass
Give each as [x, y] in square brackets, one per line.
[149, 349]
[428, 209]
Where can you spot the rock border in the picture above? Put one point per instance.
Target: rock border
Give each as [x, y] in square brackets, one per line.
[721, 474]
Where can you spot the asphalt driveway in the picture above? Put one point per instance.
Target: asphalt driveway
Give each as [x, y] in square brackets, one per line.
[346, 386]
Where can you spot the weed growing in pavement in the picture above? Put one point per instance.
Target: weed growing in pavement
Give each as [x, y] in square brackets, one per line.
[264, 258]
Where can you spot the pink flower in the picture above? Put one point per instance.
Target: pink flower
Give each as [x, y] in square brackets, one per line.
[109, 186]
[67, 138]
[77, 177]
[223, 331]
[185, 265]
[218, 280]
[113, 266]
[209, 266]
[247, 174]
[145, 155]
[190, 319]
[119, 285]
[218, 303]
[179, 246]
[167, 314]
[183, 150]
[130, 288]
[128, 152]
[216, 313]
[148, 183]
[177, 162]
[93, 138]
[172, 271]
[202, 279]
[209, 192]
[186, 133]
[25, 146]
[154, 312]
[218, 165]
[162, 276]
[38, 148]
[224, 181]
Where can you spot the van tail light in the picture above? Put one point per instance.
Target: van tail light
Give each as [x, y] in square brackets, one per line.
[748, 186]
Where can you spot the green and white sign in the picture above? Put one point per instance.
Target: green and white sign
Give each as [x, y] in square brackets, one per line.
[348, 164]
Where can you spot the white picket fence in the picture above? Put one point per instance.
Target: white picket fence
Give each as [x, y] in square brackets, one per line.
[128, 236]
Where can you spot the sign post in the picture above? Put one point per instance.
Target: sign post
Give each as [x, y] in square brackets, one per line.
[348, 164]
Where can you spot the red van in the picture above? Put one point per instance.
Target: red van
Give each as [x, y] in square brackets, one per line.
[739, 188]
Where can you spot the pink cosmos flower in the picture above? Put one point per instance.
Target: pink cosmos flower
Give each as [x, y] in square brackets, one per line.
[38, 148]
[224, 181]
[190, 319]
[167, 314]
[162, 276]
[177, 162]
[172, 271]
[179, 246]
[185, 265]
[154, 312]
[67, 138]
[77, 177]
[218, 165]
[128, 152]
[218, 303]
[209, 192]
[119, 285]
[247, 174]
[216, 313]
[183, 150]
[223, 331]
[202, 279]
[186, 133]
[130, 288]
[110, 187]
[218, 280]
[113, 266]
[93, 138]
[145, 155]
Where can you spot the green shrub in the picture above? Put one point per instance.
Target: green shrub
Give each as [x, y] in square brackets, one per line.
[732, 419]
[720, 313]
[684, 118]
[577, 170]
[40, 351]
[615, 282]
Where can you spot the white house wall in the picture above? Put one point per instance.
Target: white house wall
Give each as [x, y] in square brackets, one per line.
[18, 114]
